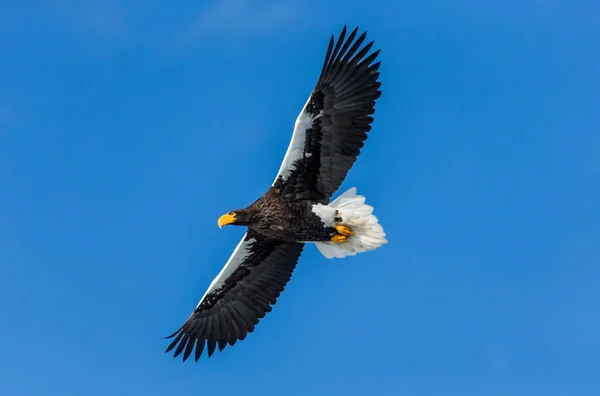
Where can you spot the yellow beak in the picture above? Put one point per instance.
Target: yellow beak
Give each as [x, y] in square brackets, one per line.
[226, 219]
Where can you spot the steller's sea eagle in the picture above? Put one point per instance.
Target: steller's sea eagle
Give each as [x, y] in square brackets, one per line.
[295, 210]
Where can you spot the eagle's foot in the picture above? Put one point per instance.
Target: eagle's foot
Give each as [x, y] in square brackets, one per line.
[339, 238]
[342, 234]
[343, 230]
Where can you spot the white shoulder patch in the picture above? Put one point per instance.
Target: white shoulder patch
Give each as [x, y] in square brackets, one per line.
[241, 253]
[326, 213]
[295, 149]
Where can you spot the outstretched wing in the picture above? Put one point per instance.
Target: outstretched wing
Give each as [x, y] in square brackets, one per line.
[242, 293]
[333, 125]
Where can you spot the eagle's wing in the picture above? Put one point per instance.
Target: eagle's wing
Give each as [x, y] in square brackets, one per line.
[242, 293]
[333, 125]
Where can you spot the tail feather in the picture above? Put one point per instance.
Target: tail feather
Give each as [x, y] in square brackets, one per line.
[358, 216]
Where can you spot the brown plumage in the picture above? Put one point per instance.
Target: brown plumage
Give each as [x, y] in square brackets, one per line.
[287, 219]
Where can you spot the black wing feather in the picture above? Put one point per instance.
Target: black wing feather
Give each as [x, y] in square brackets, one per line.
[230, 312]
[340, 107]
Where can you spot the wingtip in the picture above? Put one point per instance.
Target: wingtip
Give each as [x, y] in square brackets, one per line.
[173, 335]
[170, 347]
[212, 345]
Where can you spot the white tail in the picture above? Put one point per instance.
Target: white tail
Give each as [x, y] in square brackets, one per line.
[357, 215]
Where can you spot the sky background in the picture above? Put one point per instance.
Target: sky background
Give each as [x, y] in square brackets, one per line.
[128, 127]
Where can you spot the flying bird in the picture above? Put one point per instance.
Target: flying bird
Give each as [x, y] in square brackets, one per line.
[328, 135]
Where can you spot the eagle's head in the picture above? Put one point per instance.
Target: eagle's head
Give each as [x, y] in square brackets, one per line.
[241, 217]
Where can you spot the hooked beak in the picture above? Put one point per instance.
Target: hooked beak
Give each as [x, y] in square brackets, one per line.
[226, 219]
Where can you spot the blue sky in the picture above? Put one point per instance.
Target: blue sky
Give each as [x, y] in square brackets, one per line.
[127, 128]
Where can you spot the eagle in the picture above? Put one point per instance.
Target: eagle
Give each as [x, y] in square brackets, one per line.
[295, 210]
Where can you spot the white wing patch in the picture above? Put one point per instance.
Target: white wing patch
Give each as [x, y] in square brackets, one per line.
[241, 253]
[325, 213]
[295, 149]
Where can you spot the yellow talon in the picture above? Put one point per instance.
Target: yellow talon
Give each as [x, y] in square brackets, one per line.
[342, 235]
[339, 238]
[343, 230]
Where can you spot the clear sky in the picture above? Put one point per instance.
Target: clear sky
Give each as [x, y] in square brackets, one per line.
[128, 127]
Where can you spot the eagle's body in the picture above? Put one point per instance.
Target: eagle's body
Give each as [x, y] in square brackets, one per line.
[328, 136]
[287, 219]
